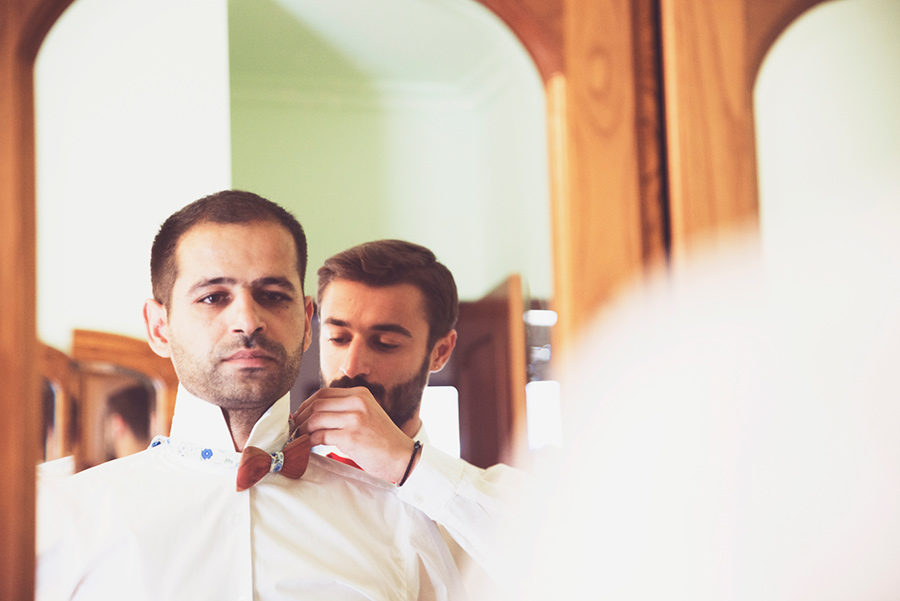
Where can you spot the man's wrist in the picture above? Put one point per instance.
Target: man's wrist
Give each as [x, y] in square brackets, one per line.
[413, 459]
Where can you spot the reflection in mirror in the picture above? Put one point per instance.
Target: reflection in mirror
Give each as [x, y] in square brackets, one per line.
[116, 409]
[398, 120]
[48, 421]
[59, 386]
[402, 120]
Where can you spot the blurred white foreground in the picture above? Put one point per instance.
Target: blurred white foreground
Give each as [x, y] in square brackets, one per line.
[735, 432]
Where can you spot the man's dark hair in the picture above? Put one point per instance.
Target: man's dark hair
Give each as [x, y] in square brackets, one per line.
[133, 404]
[390, 262]
[228, 206]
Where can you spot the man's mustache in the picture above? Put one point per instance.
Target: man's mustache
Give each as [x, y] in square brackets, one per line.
[255, 340]
[377, 390]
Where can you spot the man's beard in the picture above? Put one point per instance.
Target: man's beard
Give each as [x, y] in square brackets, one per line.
[400, 402]
[251, 388]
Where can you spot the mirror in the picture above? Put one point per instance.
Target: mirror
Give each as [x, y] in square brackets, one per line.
[828, 136]
[422, 122]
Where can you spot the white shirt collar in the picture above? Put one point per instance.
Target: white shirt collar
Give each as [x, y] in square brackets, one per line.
[201, 423]
[421, 435]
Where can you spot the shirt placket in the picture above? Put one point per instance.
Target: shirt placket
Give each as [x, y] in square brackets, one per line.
[241, 524]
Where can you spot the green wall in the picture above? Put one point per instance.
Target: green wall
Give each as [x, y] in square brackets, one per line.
[459, 166]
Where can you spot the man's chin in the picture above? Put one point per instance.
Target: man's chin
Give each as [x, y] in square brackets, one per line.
[249, 391]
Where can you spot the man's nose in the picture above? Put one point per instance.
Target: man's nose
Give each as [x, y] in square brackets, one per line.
[356, 359]
[246, 316]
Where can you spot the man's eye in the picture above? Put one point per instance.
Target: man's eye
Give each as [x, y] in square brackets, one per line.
[338, 340]
[272, 297]
[385, 345]
[216, 298]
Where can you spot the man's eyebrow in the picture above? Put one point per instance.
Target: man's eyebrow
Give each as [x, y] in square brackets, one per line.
[211, 282]
[393, 328]
[274, 281]
[257, 283]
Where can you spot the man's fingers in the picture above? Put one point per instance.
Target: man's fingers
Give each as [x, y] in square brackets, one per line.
[333, 399]
[330, 420]
[331, 438]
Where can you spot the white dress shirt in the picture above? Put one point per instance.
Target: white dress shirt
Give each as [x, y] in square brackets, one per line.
[469, 505]
[167, 524]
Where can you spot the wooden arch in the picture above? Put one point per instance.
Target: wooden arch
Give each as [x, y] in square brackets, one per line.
[651, 140]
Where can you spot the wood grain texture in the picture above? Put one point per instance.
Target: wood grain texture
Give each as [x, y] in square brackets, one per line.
[712, 52]
[709, 120]
[598, 241]
[604, 119]
[23, 24]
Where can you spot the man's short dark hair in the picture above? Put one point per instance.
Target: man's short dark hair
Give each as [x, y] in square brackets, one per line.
[227, 206]
[390, 262]
[134, 404]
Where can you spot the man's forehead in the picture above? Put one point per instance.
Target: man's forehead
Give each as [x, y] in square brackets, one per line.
[231, 253]
[359, 305]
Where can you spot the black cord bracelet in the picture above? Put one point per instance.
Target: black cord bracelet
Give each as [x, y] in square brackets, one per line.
[416, 448]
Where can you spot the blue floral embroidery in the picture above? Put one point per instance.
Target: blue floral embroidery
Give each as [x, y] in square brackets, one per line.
[205, 455]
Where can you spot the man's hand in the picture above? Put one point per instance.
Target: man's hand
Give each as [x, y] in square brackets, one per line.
[351, 419]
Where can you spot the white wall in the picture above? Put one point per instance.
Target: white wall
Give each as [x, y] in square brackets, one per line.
[828, 124]
[132, 122]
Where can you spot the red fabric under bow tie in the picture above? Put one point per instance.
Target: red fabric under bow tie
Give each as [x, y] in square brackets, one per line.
[291, 461]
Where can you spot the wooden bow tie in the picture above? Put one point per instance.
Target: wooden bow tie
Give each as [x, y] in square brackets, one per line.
[290, 461]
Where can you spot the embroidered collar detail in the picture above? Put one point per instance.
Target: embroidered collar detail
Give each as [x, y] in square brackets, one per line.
[197, 453]
[199, 432]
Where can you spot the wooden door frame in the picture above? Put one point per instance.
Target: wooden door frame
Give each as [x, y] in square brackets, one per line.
[623, 185]
[23, 25]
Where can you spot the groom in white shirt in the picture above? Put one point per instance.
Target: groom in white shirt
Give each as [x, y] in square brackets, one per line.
[179, 520]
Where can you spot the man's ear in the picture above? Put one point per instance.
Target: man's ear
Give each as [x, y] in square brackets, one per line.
[442, 350]
[156, 320]
[307, 335]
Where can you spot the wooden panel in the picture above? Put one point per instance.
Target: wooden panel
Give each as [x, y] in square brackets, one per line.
[597, 235]
[133, 354]
[23, 24]
[488, 369]
[712, 52]
[712, 173]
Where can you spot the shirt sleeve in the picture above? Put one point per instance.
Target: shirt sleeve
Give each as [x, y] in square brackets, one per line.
[468, 502]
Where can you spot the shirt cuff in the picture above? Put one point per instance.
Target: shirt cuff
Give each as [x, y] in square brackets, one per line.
[434, 481]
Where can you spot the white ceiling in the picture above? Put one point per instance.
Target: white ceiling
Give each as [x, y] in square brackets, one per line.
[399, 42]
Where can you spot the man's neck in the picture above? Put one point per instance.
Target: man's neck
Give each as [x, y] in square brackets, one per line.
[412, 426]
[240, 423]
